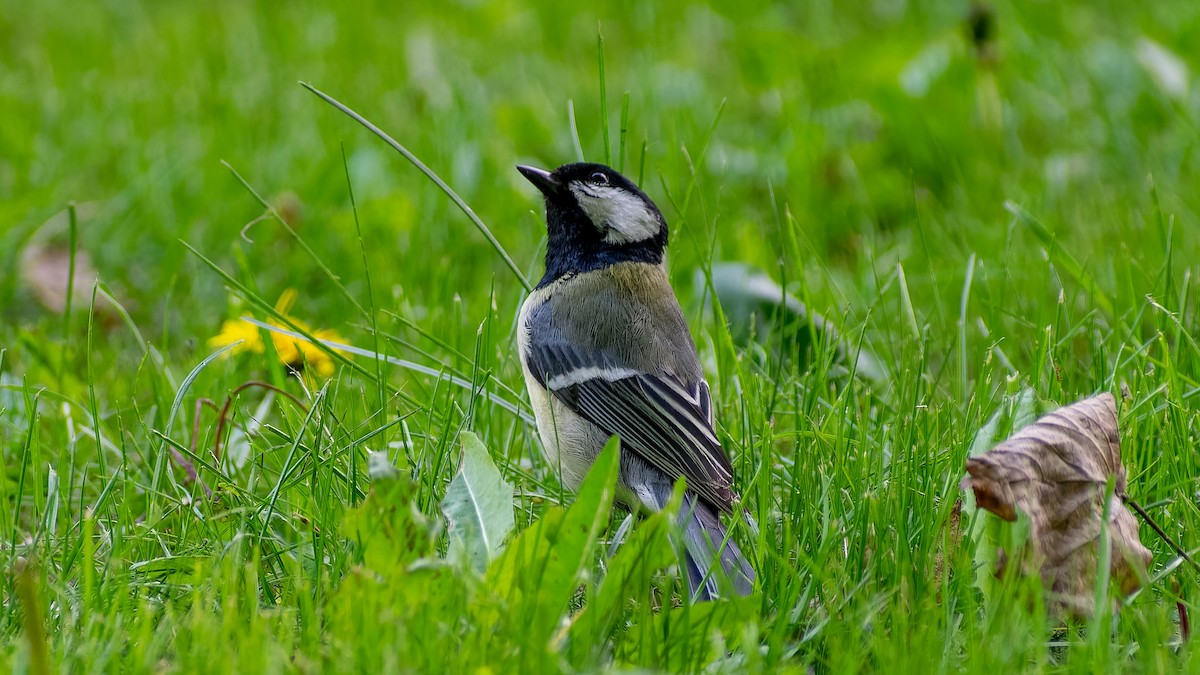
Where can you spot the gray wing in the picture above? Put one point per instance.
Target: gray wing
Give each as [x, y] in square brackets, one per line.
[658, 416]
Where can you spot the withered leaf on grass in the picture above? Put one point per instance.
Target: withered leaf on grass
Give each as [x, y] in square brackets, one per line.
[1056, 471]
[46, 270]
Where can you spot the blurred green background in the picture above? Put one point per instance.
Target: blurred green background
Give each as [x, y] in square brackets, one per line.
[860, 153]
[881, 127]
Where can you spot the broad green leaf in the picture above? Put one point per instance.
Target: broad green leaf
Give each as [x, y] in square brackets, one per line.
[630, 572]
[1025, 410]
[538, 573]
[757, 309]
[478, 506]
[388, 528]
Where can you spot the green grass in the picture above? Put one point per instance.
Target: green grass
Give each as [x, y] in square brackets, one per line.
[985, 224]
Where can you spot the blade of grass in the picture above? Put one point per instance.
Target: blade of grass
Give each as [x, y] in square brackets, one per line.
[449, 368]
[1062, 257]
[143, 346]
[963, 303]
[31, 399]
[429, 173]
[273, 498]
[362, 249]
[191, 377]
[906, 299]
[642, 164]
[623, 132]
[296, 237]
[409, 323]
[603, 97]
[693, 166]
[72, 249]
[32, 620]
[574, 130]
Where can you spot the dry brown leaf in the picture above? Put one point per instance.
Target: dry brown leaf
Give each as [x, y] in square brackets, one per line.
[1056, 471]
[47, 272]
[45, 262]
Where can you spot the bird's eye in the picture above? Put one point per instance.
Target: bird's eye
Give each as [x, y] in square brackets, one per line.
[599, 178]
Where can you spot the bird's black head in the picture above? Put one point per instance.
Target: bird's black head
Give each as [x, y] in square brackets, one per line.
[595, 217]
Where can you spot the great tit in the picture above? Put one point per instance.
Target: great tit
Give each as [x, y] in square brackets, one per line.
[606, 351]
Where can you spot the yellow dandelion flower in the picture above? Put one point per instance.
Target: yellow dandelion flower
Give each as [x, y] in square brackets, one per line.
[315, 356]
[236, 331]
[286, 346]
[285, 301]
[293, 352]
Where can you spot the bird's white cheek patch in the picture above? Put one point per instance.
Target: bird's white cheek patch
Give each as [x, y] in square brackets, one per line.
[622, 216]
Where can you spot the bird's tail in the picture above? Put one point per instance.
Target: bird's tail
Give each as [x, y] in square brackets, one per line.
[715, 565]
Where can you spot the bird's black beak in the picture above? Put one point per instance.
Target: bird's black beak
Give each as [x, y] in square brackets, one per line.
[542, 179]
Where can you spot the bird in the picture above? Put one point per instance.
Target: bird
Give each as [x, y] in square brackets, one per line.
[605, 350]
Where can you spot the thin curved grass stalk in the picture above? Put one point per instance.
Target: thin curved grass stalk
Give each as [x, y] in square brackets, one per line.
[1159, 531]
[223, 415]
[183, 462]
[429, 173]
[222, 420]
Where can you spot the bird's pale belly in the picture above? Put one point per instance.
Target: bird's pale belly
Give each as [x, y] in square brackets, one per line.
[571, 443]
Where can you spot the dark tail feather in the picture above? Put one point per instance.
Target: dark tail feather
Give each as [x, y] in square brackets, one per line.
[705, 544]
